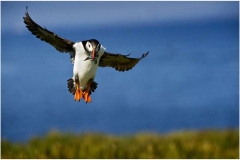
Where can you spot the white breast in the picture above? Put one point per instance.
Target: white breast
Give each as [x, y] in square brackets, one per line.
[85, 70]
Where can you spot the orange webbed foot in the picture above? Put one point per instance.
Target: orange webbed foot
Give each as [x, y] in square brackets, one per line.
[78, 94]
[86, 95]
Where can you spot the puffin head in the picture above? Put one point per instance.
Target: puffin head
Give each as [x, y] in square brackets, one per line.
[92, 46]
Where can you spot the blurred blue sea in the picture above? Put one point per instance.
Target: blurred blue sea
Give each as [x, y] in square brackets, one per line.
[188, 81]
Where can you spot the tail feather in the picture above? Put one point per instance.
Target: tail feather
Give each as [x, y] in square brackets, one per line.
[93, 86]
[72, 87]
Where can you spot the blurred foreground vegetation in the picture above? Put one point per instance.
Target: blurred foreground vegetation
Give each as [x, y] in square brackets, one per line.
[189, 144]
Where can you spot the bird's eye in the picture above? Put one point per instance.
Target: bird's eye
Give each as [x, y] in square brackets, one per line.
[88, 45]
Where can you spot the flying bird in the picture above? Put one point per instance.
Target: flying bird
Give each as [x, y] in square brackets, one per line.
[86, 57]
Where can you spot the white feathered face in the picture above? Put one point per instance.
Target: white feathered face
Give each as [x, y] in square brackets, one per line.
[92, 47]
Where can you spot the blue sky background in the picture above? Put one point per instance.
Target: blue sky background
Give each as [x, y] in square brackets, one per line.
[188, 81]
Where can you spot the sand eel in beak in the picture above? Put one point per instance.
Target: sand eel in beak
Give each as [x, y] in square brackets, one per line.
[86, 56]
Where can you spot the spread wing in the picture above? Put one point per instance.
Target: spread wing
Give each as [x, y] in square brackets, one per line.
[118, 61]
[61, 44]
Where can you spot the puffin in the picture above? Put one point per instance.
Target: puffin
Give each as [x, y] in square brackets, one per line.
[86, 56]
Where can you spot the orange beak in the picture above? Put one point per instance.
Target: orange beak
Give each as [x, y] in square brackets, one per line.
[93, 53]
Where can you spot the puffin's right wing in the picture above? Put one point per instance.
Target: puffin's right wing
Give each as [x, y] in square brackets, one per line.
[119, 62]
[61, 44]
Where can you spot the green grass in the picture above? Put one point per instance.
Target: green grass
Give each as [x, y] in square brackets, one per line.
[189, 144]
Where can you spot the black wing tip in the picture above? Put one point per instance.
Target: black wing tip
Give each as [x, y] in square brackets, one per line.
[26, 13]
[145, 55]
[127, 55]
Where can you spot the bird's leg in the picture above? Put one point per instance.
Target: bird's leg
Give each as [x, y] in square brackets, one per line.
[78, 94]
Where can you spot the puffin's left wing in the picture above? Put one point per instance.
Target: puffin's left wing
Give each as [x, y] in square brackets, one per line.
[61, 44]
[119, 62]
